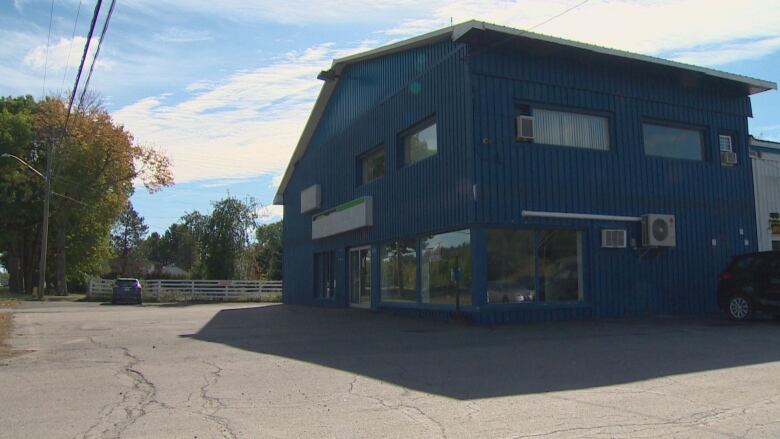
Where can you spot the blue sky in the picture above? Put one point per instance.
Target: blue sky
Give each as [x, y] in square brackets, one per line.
[225, 87]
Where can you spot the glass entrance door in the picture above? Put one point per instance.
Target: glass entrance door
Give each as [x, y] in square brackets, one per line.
[360, 277]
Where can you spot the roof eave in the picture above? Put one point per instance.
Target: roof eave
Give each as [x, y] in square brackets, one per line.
[753, 85]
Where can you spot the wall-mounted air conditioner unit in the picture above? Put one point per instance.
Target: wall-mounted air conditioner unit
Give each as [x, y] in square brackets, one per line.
[525, 128]
[658, 231]
[728, 158]
[613, 238]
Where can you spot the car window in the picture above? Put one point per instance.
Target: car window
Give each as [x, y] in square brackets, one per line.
[762, 262]
[126, 282]
[744, 262]
[774, 262]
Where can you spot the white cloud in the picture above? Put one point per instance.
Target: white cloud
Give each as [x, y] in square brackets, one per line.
[270, 213]
[298, 12]
[244, 126]
[728, 52]
[222, 182]
[181, 35]
[64, 53]
[276, 181]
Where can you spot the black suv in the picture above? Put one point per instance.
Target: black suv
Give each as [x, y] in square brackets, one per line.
[750, 284]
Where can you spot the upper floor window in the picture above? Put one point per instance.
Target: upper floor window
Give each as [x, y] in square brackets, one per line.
[726, 142]
[673, 142]
[575, 130]
[372, 165]
[419, 143]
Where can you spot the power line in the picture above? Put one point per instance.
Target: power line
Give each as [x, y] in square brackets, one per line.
[46, 57]
[70, 46]
[523, 32]
[559, 15]
[97, 52]
[83, 60]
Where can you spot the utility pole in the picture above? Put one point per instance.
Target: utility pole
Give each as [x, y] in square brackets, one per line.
[45, 231]
[50, 148]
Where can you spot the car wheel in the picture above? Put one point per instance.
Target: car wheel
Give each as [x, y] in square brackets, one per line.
[739, 308]
[113, 301]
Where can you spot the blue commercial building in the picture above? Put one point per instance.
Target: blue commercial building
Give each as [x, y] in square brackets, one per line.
[518, 176]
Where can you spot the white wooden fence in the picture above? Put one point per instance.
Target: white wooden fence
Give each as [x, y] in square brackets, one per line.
[191, 290]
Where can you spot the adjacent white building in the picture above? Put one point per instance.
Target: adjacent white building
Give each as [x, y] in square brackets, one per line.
[765, 158]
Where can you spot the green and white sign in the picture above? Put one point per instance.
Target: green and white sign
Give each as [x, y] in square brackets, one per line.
[352, 215]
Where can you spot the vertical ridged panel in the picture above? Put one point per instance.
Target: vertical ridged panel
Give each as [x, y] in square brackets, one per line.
[374, 102]
[474, 100]
[766, 179]
[709, 201]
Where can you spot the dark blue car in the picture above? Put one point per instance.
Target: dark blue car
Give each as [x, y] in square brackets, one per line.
[127, 290]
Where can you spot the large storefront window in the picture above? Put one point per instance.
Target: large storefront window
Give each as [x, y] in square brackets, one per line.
[446, 268]
[519, 272]
[399, 271]
[560, 266]
[511, 266]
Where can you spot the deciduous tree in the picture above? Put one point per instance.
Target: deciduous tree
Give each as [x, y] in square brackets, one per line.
[268, 253]
[225, 238]
[127, 237]
[96, 165]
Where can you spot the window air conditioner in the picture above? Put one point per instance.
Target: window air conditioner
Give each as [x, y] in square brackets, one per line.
[613, 238]
[728, 158]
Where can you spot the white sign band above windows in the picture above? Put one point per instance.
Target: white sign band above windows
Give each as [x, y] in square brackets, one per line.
[353, 215]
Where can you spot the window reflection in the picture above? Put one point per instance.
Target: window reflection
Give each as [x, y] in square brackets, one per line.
[399, 271]
[511, 267]
[673, 142]
[420, 144]
[519, 273]
[560, 267]
[373, 165]
[446, 268]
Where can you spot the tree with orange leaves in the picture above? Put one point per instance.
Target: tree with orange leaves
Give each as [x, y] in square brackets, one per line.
[97, 164]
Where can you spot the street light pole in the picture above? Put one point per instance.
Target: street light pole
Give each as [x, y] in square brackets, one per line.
[11, 156]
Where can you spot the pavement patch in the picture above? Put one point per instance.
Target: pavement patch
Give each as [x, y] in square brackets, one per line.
[5, 331]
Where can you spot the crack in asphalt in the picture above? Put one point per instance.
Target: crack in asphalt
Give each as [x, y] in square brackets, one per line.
[117, 416]
[212, 404]
[399, 408]
[692, 421]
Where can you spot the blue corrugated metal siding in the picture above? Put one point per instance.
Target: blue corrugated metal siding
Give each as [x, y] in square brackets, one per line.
[374, 102]
[709, 201]
[475, 98]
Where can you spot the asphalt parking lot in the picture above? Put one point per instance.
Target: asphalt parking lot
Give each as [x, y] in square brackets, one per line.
[202, 371]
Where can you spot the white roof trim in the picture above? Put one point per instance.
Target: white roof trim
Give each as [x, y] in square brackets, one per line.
[764, 143]
[456, 33]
